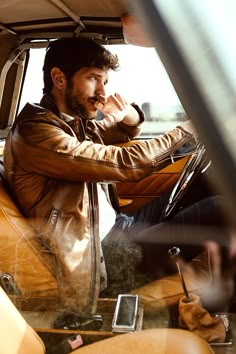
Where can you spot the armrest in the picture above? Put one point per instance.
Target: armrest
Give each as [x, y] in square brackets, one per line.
[167, 291]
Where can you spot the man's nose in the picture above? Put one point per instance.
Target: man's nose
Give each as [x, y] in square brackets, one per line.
[100, 90]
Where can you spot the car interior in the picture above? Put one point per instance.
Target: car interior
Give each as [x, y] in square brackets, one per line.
[31, 309]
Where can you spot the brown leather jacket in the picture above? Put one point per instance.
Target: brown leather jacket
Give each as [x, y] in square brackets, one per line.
[52, 170]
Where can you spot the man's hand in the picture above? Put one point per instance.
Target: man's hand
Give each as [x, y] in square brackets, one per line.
[117, 109]
[189, 127]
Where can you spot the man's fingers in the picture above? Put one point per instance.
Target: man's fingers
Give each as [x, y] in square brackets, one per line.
[114, 102]
[121, 99]
[115, 108]
[102, 99]
[99, 105]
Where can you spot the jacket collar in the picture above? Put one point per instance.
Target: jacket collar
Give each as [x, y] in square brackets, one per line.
[48, 103]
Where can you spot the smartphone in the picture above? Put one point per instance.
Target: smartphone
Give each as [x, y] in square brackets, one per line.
[125, 315]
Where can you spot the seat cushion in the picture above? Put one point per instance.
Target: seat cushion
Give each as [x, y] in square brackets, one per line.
[150, 341]
[16, 336]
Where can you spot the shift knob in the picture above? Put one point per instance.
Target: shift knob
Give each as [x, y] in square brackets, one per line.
[174, 254]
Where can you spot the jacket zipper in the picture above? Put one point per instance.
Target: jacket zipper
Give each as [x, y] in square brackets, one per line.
[170, 152]
[93, 209]
[93, 222]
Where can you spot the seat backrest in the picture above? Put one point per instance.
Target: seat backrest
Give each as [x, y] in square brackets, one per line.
[21, 254]
[16, 336]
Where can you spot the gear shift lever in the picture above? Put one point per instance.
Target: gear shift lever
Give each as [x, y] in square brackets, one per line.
[194, 317]
[174, 254]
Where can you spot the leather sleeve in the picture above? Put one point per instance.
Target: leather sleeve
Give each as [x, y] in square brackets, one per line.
[46, 149]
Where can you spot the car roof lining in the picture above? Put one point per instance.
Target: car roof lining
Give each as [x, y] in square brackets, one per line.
[25, 16]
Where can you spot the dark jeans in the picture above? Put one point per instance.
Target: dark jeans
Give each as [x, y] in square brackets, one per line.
[136, 248]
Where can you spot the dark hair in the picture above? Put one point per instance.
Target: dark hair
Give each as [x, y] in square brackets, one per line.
[72, 54]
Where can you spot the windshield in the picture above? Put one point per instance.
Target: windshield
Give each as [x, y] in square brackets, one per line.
[141, 79]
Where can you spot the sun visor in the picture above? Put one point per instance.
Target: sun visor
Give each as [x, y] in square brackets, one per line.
[134, 32]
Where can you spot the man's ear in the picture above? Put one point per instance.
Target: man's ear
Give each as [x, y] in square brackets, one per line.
[58, 78]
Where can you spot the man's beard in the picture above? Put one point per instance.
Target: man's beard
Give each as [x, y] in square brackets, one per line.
[74, 104]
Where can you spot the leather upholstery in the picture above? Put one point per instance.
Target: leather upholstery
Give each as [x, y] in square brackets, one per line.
[16, 336]
[158, 341]
[134, 195]
[24, 257]
[167, 291]
[21, 254]
[194, 317]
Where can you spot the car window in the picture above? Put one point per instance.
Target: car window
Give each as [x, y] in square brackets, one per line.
[141, 79]
[204, 74]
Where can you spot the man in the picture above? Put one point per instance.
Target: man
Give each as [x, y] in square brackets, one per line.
[59, 159]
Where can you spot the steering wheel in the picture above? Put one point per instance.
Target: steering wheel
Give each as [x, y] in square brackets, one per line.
[197, 165]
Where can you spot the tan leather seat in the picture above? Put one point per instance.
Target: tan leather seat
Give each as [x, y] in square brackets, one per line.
[150, 341]
[17, 337]
[21, 254]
